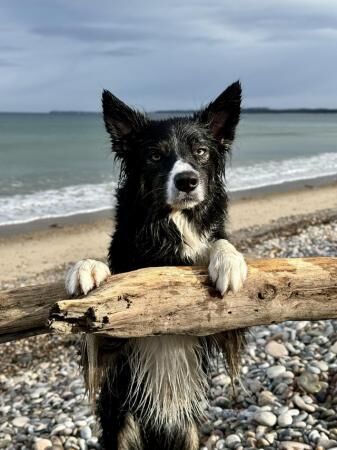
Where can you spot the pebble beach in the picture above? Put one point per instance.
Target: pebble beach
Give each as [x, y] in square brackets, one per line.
[286, 398]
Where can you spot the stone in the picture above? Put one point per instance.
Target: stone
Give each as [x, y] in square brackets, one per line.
[309, 382]
[292, 445]
[275, 371]
[82, 444]
[221, 380]
[300, 403]
[232, 440]
[58, 429]
[20, 422]
[265, 418]
[38, 392]
[57, 443]
[271, 437]
[220, 445]
[284, 420]
[276, 349]
[314, 436]
[86, 433]
[43, 444]
[266, 398]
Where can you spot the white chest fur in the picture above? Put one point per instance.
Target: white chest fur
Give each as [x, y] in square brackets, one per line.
[193, 245]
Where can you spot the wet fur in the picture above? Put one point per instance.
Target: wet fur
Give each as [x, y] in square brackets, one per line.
[150, 389]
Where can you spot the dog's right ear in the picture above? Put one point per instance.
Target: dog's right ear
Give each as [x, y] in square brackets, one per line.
[121, 121]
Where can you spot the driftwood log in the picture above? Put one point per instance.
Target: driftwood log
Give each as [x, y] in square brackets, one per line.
[176, 300]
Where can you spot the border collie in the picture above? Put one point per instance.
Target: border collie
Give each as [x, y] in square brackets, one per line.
[171, 210]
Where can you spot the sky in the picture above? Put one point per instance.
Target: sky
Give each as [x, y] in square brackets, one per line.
[155, 54]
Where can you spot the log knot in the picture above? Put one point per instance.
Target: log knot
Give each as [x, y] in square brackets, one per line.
[267, 292]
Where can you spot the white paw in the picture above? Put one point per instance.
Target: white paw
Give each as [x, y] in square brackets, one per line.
[85, 275]
[227, 268]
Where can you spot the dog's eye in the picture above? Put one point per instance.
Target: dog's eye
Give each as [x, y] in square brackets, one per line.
[155, 156]
[200, 151]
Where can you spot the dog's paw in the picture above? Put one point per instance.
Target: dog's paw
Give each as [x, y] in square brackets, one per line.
[85, 275]
[227, 267]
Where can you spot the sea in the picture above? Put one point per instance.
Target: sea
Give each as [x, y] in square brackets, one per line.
[60, 164]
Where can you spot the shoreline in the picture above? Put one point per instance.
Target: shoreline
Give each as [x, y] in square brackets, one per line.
[44, 252]
[88, 218]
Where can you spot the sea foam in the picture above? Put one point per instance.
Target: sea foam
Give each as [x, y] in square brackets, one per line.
[86, 198]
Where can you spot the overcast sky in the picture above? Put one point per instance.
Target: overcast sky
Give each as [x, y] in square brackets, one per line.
[156, 54]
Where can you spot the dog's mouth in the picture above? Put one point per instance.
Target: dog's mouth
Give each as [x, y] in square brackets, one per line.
[183, 200]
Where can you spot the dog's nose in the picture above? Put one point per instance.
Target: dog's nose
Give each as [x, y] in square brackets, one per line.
[186, 181]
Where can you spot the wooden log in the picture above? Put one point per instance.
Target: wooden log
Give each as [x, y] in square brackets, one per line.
[25, 311]
[177, 300]
[172, 300]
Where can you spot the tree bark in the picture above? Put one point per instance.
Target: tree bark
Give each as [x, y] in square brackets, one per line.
[176, 300]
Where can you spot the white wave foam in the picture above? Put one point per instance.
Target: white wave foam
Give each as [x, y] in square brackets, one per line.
[52, 203]
[279, 172]
[86, 198]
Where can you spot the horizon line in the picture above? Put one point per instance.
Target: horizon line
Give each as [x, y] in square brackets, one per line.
[253, 109]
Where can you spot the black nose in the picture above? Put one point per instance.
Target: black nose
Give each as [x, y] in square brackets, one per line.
[186, 181]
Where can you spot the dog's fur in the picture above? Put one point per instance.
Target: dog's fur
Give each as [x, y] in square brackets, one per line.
[171, 210]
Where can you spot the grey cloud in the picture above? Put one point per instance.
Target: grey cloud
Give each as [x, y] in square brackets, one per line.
[170, 54]
[122, 33]
[10, 48]
[123, 51]
[7, 63]
[93, 33]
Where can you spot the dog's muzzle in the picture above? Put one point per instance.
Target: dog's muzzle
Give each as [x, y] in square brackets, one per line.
[184, 188]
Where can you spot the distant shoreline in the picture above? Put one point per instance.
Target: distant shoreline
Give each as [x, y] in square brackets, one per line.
[188, 112]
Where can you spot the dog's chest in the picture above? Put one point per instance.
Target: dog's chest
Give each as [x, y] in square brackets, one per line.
[194, 246]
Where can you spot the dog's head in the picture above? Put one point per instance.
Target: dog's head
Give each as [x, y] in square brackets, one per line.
[175, 163]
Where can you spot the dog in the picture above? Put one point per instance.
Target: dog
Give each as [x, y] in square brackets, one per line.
[171, 210]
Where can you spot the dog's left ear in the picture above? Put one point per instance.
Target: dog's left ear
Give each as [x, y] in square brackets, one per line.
[223, 114]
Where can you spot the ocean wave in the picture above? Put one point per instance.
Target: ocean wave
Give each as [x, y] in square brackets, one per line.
[67, 201]
[280, 172]
[86, 198]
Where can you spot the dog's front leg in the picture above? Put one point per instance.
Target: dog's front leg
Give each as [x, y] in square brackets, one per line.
[227, 267]
[85, 275]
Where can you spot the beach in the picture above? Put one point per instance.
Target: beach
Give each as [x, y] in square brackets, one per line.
[286, 397]
[42, 250]
[54, 211]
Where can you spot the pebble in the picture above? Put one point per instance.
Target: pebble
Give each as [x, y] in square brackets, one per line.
[275, 371]
[266, 398]
[86, 433]
[293, 445]
[20, 422]
[265, 418]
[284, 420]
[232, 440]
[43, 444]
[59, 429]
[276, 349]
[282, 368]
[300, 403]
[309, 382]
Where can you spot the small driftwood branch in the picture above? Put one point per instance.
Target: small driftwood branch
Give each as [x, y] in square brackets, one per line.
[176, 300]
[25, 311]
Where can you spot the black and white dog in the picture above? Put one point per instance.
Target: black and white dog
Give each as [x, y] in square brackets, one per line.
[171, 210]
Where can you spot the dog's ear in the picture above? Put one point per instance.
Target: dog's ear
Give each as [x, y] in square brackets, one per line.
[121, 121]
[223, 114]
